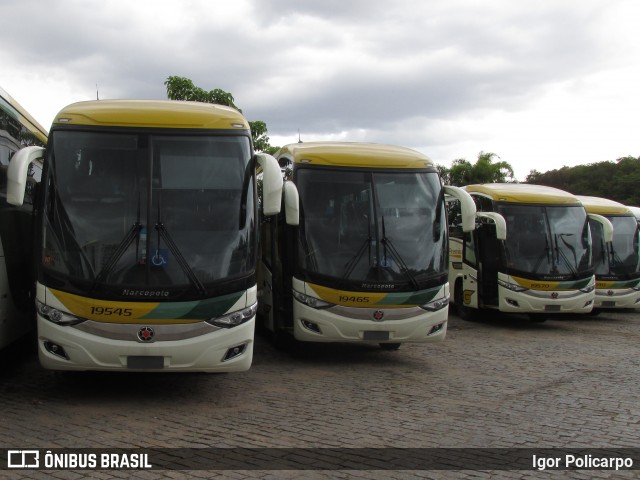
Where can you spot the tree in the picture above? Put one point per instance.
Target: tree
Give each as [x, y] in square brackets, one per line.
[180, 88]
[617, 180]
[485, 170]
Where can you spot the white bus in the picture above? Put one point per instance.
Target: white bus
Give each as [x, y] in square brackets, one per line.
[359, 253]
[18, 129]
[148, 236]
[530, 253]
[617, 261]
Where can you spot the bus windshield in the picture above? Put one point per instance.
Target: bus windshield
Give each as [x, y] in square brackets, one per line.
[547, 240]
[148, 210]
[622, 260]
[367, 229]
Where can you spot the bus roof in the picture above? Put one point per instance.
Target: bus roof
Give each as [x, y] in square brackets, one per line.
[151, 113]
[17, 111]
[352, 154]
[524, 193]
[604, 206]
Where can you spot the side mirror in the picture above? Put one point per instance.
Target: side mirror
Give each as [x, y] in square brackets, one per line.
[467, 207]
[501, 225]
[607, 226]
[271, 184]
[17, 173]
[291, 204]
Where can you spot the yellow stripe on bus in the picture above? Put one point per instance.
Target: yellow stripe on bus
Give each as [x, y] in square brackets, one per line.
[104, 310]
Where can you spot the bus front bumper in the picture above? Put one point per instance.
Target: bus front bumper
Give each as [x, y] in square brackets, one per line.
[617, 298]
[370, 325]
[537, 301]
[210, 350]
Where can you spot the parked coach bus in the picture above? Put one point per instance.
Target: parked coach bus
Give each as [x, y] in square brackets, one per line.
[147, 236]
[617, 262]
[359, 253]
[530, 252]
[18, 129]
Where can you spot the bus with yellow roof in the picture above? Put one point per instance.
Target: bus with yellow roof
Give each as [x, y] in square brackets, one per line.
[617, 262]
[359, 250]
[530, 253]
[147, 236]
[18, 129]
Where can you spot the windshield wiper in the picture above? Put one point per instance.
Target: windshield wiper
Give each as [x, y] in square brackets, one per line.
[386, 243]
[164, 234]
[132, 234]
[62, 229]
[561, 254]
[351, 265]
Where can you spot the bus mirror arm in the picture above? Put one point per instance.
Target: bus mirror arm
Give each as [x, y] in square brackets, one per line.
[271, 184]
[17, 173]
[468, 207]
[291, 203]
[501, 225]
[607, 226]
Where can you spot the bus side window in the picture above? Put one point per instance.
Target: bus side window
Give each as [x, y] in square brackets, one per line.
[470, 249]
[454, 218]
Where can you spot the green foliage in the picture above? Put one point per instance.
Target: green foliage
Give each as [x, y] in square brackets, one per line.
[617, 180]
[485, 170]
[180, 88]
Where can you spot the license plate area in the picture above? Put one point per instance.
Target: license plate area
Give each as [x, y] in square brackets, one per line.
[608, 304]
[145, 362]
[552, 308]
[375, 336]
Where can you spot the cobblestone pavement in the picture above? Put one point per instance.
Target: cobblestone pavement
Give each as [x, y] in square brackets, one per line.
[497, 383]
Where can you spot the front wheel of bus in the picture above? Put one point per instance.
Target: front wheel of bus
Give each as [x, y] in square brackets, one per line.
[390, 346]
[464, 312]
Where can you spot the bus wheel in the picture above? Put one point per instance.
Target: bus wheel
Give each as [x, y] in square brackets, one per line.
[390, 346]
[464, 312]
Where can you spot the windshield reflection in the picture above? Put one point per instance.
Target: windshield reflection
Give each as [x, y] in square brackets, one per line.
[136, 210]
[622, 258]
[367, 228]
[547, 240]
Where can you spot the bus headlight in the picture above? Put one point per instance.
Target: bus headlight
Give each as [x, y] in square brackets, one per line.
[436, 305]
[312, 302]
[57, 316]
[511, 286]
[236, 318]
[588, 288]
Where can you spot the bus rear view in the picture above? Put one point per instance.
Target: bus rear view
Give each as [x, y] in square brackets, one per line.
[148, 238]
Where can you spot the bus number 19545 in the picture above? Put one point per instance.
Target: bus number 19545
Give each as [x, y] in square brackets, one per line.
[121, 312]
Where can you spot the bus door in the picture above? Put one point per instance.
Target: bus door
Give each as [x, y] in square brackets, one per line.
[488, 251]
[265, 275]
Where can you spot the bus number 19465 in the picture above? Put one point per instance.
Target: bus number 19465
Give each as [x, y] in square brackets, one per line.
[346, 298]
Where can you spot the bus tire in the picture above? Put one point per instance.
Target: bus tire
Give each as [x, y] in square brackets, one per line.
[464, 312]
[390, 346]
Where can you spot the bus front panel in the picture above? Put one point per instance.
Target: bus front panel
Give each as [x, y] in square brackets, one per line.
[79, 333]
[323, 314]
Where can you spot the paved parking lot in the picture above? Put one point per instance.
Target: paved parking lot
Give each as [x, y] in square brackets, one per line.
[500, 383]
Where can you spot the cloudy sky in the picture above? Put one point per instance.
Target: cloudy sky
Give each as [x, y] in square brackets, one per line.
[541, 84]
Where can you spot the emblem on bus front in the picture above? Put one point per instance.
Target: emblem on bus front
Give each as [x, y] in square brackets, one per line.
[554, 295]
[378, 315]
[146, 334]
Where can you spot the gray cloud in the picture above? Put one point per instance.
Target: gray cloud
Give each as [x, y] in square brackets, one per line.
[322, 67]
